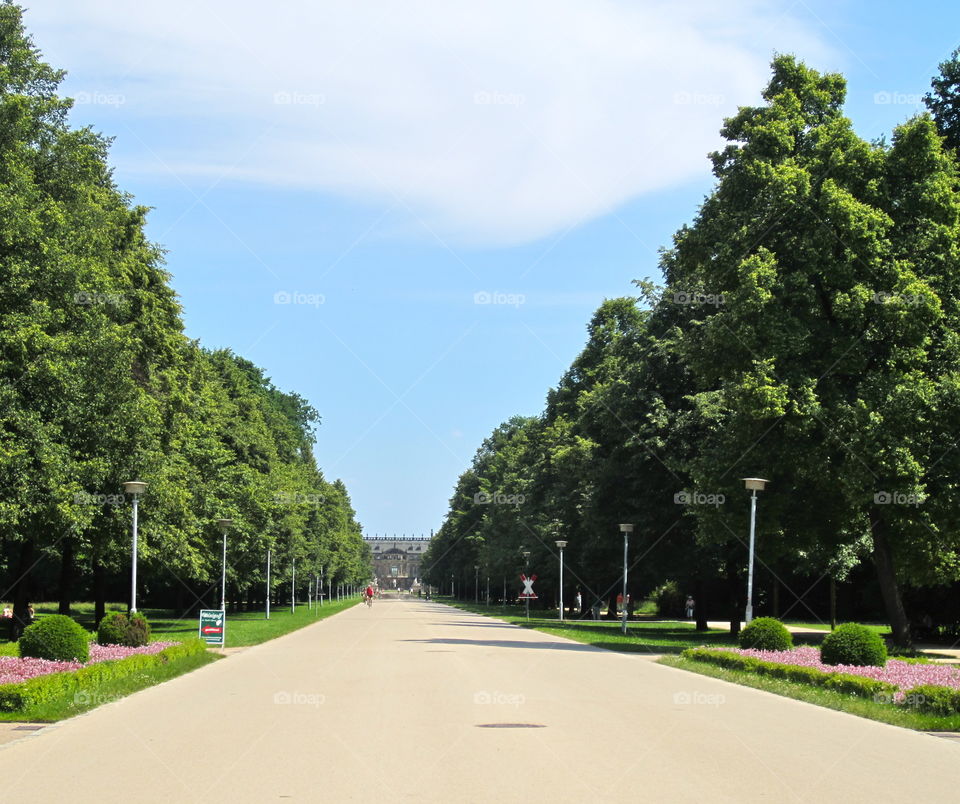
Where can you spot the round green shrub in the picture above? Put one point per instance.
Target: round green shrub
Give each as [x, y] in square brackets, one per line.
[113, 629]
[57, 638]
[119, 629]
[138, 631]
[855, 644]
[766, 633]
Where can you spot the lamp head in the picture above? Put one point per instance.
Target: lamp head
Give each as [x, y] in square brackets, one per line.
[626, 528]
[755, 483]
[134, 487]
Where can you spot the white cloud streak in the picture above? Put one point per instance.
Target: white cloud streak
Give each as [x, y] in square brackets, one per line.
[496, 122]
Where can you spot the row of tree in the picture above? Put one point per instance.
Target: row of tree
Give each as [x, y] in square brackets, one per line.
[99, 385]
[808, 332]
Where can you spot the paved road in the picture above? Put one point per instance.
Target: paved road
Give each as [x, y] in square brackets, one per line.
[414, 701]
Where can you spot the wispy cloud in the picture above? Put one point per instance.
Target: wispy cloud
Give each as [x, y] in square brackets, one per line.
[496, 122]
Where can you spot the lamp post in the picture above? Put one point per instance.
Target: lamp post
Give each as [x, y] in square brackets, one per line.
[476, 584]
[626, 530]
[224, 526]
[753, 485]
[136, 488]
[268, 583]
[561, 544]
[526, 569]
[293, 588]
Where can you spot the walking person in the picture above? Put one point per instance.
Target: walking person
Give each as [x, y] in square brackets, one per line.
[690, 605]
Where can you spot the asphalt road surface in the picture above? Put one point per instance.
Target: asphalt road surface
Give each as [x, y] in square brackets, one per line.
[415, 701]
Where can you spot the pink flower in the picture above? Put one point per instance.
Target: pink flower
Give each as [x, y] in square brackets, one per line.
[14, 669]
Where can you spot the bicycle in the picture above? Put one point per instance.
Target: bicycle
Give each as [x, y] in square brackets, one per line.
[369, 601]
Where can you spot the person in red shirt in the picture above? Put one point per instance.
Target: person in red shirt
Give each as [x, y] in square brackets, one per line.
[369, 595]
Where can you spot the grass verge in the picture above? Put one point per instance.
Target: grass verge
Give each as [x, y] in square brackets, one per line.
[643, 635]
[861, 707]
[247, 628]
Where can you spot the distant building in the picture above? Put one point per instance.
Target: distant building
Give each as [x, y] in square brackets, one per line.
[397, 561]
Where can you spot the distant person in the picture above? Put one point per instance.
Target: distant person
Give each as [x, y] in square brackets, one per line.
[579, 600]
[690, 605]
[7, 613]
[368, 596]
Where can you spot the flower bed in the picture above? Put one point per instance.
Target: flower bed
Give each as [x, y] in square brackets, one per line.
[14, 669]
[113, 663]
[903, 675]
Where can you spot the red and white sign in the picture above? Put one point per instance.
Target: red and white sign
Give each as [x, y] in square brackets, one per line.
[528, 593]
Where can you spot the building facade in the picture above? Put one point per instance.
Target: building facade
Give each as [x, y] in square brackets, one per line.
[397, 561]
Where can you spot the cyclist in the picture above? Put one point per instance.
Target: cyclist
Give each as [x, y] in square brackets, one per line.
[369, 595]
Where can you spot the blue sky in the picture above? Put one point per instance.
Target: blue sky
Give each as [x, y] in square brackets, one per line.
[336, 183]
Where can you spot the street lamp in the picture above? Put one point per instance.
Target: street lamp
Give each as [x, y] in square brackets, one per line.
[526, 569]
[136, 488]
[268, 583]
[561, 544]
[476, 584]
[224, 526]
[753, 484]
[626, 530]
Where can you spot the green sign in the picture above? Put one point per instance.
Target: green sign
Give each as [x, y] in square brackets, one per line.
[213, 626]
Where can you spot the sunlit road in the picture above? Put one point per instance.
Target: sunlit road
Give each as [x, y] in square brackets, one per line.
[414, 701]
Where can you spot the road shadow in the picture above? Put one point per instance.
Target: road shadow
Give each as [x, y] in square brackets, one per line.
[505, 643]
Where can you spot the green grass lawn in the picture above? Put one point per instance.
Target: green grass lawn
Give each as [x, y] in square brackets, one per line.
[243, 628]
[643, 635]
[862, 707]
[247, 627]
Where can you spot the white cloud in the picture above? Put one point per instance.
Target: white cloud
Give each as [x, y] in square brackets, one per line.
[496, 122]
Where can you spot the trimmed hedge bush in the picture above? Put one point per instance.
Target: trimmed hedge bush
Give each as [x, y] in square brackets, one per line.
[933, 700]
[853, 644]
[766, 633]
[118, 629]
[838, 682]
[57, 686]
[57, 638]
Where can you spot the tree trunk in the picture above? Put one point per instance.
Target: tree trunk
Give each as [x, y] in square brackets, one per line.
[612, 605]
[66, 577]
[99, 591]
[733, 591]
[833, 604]
[889, 588]
[700, 603]
[21, 589]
